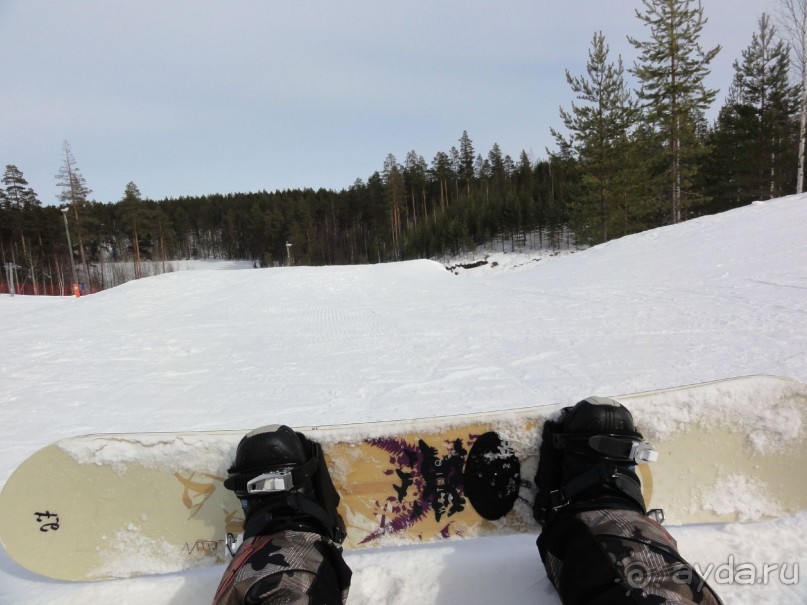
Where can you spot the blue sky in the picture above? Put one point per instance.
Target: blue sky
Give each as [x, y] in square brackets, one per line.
[189, 97]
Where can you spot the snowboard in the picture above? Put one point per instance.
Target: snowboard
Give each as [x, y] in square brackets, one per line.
[122, 505]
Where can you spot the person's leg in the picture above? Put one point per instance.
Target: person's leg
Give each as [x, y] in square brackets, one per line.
[597, 544]
[292, 531]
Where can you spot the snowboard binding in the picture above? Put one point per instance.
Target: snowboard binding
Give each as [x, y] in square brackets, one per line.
[587, 461]
[282, 480]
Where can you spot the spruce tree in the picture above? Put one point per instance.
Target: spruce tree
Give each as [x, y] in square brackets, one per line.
[726, 169]
[498, 170]
[671, 69]
[467, 157]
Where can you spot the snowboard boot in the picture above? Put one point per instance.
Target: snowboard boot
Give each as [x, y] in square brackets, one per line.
[587, 461]
[292, 531]
[598, 544]
[283, 483]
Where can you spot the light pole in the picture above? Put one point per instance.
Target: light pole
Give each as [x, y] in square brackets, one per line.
[70, 251]
[288, 253]
[10, 278]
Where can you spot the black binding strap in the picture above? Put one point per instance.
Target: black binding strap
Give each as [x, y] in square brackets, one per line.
[302, 510]
[611, 446]
[600, 474]
[616, 447]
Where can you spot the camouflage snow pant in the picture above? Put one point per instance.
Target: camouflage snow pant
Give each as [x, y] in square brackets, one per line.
[600, 557]
[289, 567]
[618, 556]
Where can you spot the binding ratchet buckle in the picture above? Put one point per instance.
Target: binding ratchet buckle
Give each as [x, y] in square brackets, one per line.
[271, 482]
[642, 451]
[621, 448]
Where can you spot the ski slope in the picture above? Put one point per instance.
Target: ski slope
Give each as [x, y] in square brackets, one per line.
[714, 297]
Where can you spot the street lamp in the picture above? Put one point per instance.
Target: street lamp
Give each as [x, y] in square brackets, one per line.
[70, 251]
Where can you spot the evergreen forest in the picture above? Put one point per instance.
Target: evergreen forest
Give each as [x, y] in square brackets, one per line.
[634, 151]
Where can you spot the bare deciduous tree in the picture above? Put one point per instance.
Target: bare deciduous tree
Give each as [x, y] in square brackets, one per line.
[793, 24]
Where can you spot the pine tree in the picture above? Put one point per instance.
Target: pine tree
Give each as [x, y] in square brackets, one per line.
[16, 192]
[671, 69]
[441, 172]
[414, 175]
[599, 137]
[21, 203]
[131, 216]
[393, 183]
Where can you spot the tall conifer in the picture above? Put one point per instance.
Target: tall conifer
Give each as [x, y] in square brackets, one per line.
[599, 130]
[671, 69]
[765, 97]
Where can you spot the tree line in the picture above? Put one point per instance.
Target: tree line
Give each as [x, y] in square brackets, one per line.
[626, 160]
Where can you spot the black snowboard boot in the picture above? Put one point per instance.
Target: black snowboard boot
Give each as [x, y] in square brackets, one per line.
[587, 460]
[598, 545]
[292, 531]
[283, 483]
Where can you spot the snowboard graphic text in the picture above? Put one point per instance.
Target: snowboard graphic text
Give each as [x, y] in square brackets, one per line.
[52, 521]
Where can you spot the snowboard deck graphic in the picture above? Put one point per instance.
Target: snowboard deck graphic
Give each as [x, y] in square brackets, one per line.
[122, 505]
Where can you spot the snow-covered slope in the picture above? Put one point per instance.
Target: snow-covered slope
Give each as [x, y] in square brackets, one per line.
[714, 297]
